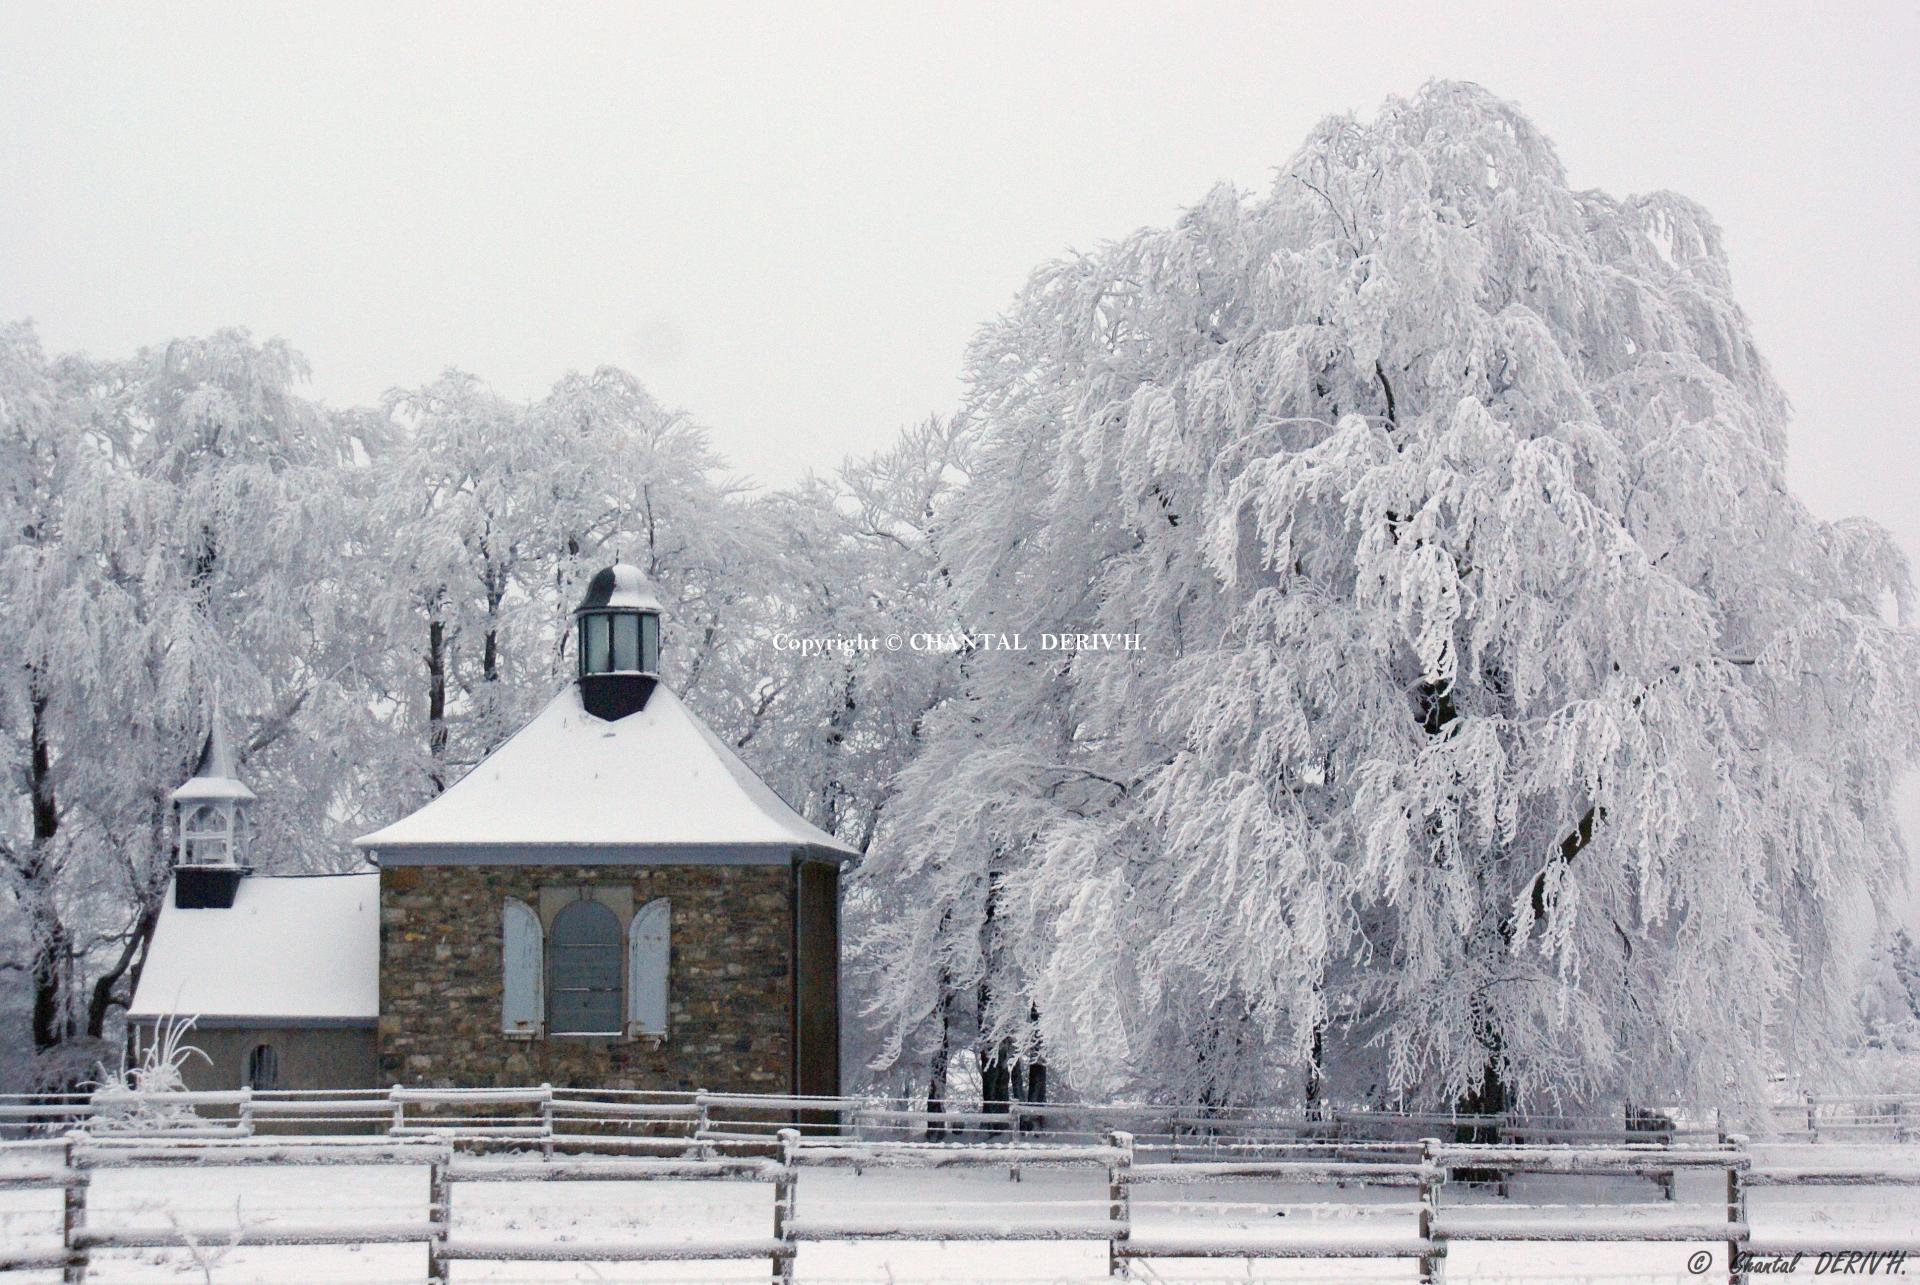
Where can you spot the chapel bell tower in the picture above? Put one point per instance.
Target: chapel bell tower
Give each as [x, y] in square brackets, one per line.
[211, 810]
[617, 635]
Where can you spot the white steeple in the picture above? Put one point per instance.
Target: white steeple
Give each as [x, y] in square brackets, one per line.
[211, 805]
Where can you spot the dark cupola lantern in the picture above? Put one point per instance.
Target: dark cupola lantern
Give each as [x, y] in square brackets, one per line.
[617, 635]
[212, 811]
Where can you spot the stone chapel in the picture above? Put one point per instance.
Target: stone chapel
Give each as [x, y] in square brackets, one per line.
[610, 899]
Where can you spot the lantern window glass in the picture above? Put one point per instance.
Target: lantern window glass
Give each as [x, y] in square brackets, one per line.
[626, 644]
[595, 644]
[649, 643]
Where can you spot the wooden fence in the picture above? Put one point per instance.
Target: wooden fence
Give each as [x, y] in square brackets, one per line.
[67, 1165]
[546, 1112]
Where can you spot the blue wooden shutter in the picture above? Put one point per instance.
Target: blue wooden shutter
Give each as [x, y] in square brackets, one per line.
[649, 955]
[522, 971]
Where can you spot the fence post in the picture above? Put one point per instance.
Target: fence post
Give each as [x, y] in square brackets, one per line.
[784, 1183]
[1433, 1253]
[399, 1120]
[1119, 1200]
[703, 1121]
[1736, 1205]
[73, 1216]
[1672, 1176]
[546, 1122]
[440, 1214]
[246, 1111]
[1813, 1119]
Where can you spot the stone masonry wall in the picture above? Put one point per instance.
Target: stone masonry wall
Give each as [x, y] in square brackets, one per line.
[730, 990]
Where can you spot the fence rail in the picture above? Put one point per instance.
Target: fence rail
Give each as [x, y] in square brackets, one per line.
[544, 1111]
[67, 1165]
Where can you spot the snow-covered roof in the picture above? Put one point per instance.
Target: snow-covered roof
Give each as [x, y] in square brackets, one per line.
[620, 586]
[654, 787]
[290, 948]
[216, 777]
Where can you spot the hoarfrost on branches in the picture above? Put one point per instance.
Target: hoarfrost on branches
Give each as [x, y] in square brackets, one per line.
[1505, 727]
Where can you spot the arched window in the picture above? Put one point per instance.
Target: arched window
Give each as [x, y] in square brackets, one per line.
[585, 955]
[263, 1067]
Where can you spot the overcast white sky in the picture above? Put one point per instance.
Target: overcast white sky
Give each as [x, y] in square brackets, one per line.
[788, 219]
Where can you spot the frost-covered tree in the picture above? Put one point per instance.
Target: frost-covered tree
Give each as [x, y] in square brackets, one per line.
[856, 559]
[43, 450]
[1890, 996]
[1503, 726]
[463, 528]
[860, 562]
[493, 513]
[181, 525]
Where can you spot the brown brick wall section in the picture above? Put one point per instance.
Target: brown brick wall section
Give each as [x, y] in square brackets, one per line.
[730, 1026]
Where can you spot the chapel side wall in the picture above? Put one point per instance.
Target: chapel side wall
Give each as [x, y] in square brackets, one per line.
[730, 983]
[310, 1057]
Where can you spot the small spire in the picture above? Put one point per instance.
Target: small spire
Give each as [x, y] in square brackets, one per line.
[216, 757]
[217, 776]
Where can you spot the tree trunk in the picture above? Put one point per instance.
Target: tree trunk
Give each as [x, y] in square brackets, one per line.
[49, 954]
[1316, 1083]
[1492, 1097]
[996, 1076]
[103, 998]
[937, 1070]
[436, 659]
[490, 645]
[48, 934]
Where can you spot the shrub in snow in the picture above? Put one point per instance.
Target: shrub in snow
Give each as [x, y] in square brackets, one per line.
[132, 1098]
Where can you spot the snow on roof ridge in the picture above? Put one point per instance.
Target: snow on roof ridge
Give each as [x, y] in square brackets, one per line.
[656, 779]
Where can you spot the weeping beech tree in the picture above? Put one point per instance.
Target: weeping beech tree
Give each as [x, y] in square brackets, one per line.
[1503, 728]
[172, 529]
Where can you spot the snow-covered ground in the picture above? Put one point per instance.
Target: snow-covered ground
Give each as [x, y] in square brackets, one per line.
[658, 1210]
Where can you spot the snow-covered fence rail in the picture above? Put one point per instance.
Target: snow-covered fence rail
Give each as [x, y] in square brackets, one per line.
[48, 1167]
[43, 1110]
[777, 1248]
[1419, 1242]
[1848, 1173]
[1870, 1116]
[520, 1112]
[81, 1155]
[1103, 1220]
[67, 1166]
